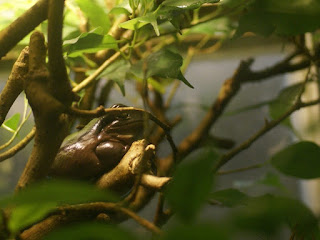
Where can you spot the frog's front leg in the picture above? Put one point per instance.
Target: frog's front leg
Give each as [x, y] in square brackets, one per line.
[110, 153]
[76, 162]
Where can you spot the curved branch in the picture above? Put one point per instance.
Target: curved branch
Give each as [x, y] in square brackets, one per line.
[24, 142]
[74, 213]
[23, 25]
[14, 85]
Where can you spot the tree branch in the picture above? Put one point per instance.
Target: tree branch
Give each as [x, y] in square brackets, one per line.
[14, 85]
[24, 142]
[75, 213]
[269, 125]
[154, 182]
[23, 25]
[51, 127]
[56, 64]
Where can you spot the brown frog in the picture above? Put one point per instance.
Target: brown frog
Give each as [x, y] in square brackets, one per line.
[99, 146]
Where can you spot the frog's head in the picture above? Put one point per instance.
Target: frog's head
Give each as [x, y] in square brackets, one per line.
[122, 125]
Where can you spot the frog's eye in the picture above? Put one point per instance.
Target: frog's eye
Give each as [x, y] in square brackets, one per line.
[118, 105]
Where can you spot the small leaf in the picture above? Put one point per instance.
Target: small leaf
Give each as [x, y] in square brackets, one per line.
[12, 123]
[89, 42]
[191, 185]
[186, 4]
[300, 160]
[119, 10]
[164, 63]
[285, 100]
[92, 230]
[139, 22]
[229, 197]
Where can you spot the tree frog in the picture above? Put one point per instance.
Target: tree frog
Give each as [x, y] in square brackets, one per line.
[99, 146]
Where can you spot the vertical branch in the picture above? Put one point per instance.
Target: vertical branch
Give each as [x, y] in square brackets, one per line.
[50, 126]
[58, 82]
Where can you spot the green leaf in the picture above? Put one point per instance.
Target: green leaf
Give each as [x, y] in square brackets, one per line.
[139, 22]
[267, 214]
[117, 72]
[119, 10]
[27, 214]
[33, 203]
[92, 230]
[300, 160]
[191, 232]
[191, 185]
[12, 123]
[219, 27]
[89, 42]
[95, 13]
[164, 63]
[285, 100]
[229, 197]
[58, 191]
[186, 4]
[282, 17]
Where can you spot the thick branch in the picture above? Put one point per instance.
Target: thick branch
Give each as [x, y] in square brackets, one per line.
[16, 31]
[58, 83]
[50, 126]
[14, 85]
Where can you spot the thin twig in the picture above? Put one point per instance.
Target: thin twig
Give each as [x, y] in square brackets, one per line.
[240, 169]
[15, 132]
[12, 151]
[93, 76]
[270, 125]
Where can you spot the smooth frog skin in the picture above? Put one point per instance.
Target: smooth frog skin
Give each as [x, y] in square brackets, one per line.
[98, 147]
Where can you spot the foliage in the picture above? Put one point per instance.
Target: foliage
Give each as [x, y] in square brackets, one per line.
[150, 44]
